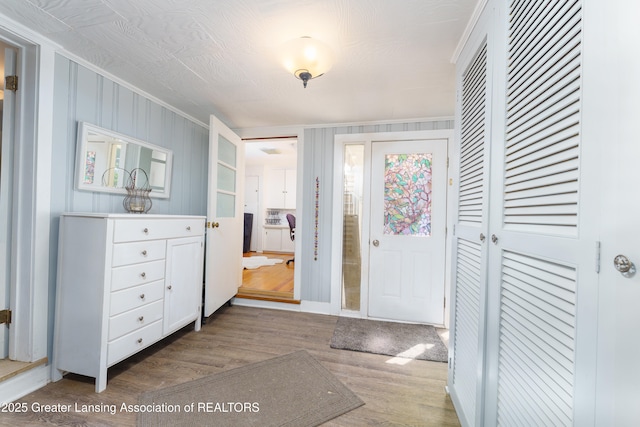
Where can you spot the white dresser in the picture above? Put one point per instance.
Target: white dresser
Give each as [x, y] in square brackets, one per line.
[124, 282]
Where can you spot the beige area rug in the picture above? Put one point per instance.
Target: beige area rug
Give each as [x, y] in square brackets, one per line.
[251, 263]
[401, 340]
[291, 390]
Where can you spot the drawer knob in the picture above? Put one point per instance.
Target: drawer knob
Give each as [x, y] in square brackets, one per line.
[145, 231]
[144, 253]
[188, 228]
[169, 287]
[141, 319]
[141, 296]
[143, 275]
[139, 340]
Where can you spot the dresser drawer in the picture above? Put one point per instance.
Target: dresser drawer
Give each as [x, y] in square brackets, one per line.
[136, 252]
[133, 342]
[137, 274]
[134, 319]
[130, 230]
[128, 299]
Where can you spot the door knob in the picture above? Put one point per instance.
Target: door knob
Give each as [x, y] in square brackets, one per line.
[624, 265]
[482, 237]
[213, 224]
[376, 243]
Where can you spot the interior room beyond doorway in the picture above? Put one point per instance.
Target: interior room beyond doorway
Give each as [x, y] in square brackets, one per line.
[270, 195]
[269, 282]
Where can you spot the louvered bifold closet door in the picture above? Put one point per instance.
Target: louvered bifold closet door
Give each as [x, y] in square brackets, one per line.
[537, 238]
[469, 273]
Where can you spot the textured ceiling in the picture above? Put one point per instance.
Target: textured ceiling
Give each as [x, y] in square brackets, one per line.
[392, 58]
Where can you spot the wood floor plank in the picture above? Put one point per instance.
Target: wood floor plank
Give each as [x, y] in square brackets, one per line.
[277, 279]
[395, 395]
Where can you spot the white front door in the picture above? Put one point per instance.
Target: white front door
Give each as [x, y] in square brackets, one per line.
[7, 115]
[408, 230]
[225, 216]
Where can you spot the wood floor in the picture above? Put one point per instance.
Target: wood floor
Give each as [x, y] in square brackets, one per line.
[272, 282]
[11, 368]
[395, 395]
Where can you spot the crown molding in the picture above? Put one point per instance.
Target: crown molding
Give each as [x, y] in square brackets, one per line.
[12, 29]
[475, 16]
[124, 83]
[268, 131]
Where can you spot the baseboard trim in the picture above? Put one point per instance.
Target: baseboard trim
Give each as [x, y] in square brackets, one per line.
[22, 384]
[304, 306]
[245, 302]
[267, 297]
[10, 368]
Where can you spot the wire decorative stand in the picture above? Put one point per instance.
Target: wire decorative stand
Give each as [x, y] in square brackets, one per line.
[137, 199]
[137, 186]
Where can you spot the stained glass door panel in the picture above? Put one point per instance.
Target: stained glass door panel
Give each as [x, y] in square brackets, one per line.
[407, 194]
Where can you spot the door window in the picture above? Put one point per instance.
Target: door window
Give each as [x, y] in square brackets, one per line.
[407, 194]
[226, 192]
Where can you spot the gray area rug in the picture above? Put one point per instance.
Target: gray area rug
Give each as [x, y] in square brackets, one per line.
[389, 338]
[291, 390]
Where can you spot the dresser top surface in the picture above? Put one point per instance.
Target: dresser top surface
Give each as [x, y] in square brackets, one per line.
[130, 216]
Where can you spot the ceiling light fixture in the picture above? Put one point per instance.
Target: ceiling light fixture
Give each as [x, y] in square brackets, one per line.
[306, 58]
[269, 150]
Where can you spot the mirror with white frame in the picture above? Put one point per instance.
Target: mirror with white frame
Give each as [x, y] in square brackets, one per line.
[104, 157]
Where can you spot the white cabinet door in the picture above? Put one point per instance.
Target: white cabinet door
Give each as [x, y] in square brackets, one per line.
[183, 283]
[288, 245]
[290, 188]
[274, 188]
[272, 239]
[280, 188]
[278, 240]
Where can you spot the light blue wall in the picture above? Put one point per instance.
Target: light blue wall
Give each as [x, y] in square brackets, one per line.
[318, 163]
[84, 95]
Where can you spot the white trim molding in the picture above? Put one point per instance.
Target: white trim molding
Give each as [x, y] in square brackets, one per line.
[19, 386]
[340, 140]
[468, 30]
[31, 199]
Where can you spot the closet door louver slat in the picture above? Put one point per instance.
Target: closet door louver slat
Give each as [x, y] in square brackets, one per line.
[537, 318]
[472, 140]
[543, 116]
[537, 327]
[469, 261]
[466, 320]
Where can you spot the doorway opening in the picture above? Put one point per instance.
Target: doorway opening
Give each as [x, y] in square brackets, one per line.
[270, 197]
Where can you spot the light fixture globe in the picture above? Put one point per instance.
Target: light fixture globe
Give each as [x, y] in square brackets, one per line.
[306, 58]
